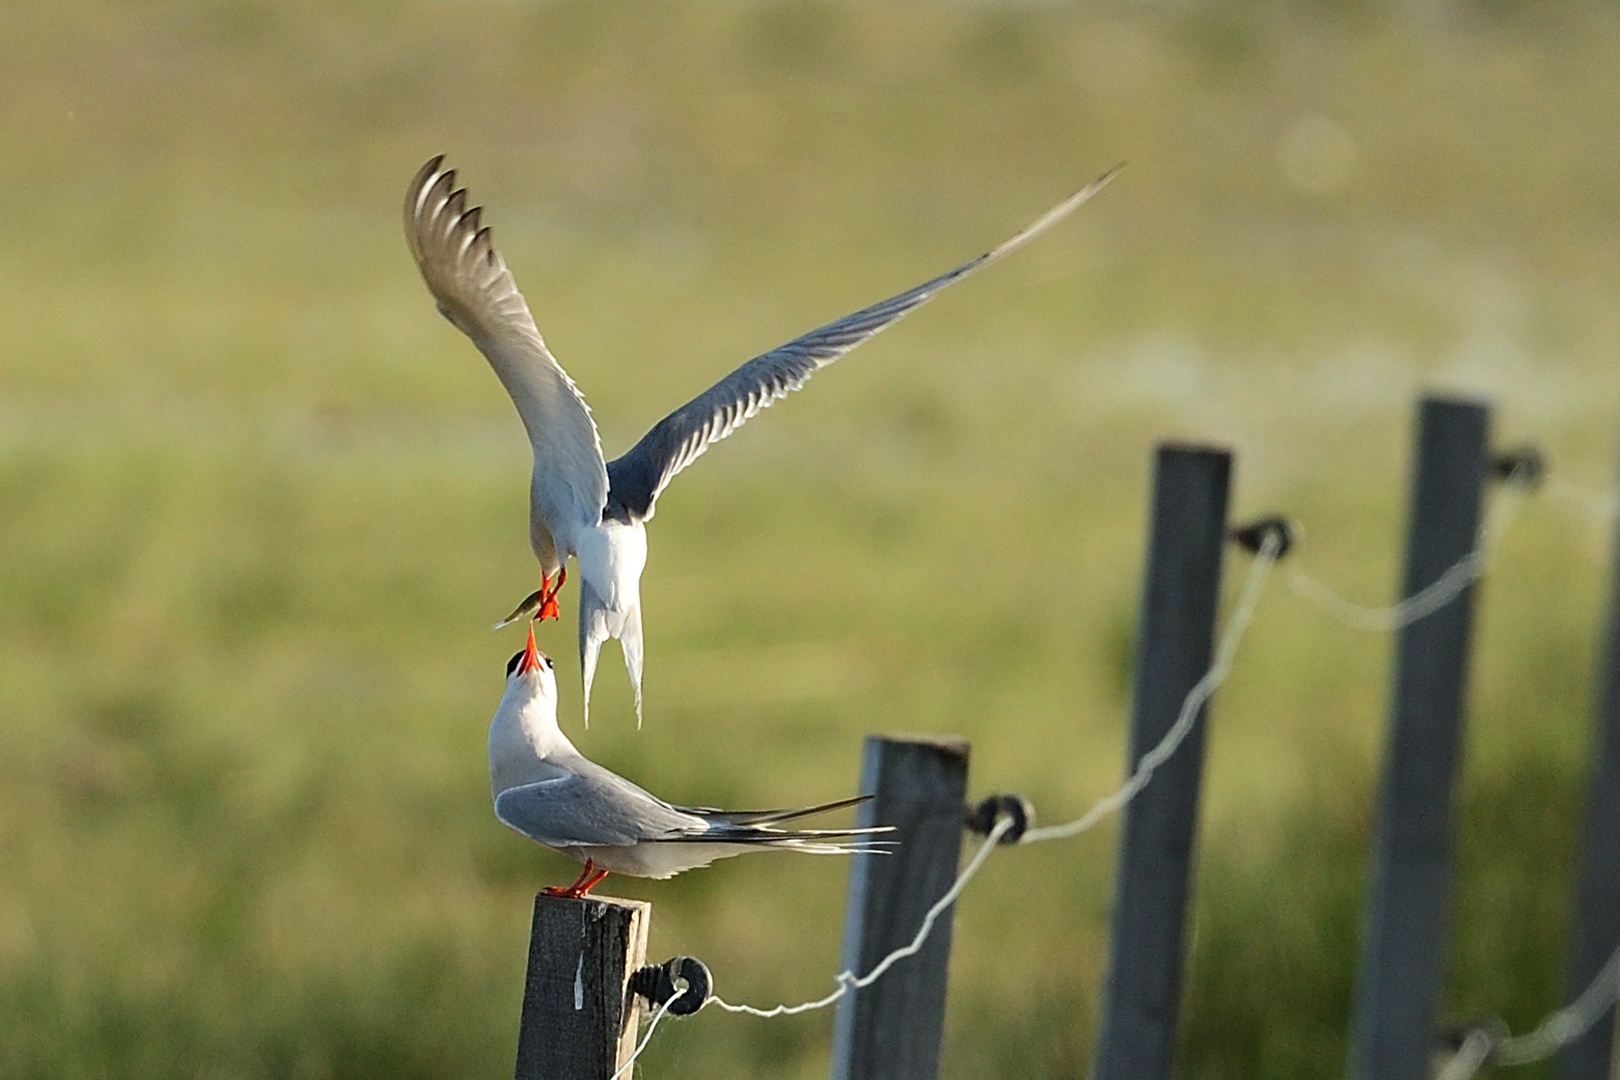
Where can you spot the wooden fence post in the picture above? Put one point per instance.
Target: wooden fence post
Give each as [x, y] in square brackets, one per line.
[1595, 928]
[1175, 647]
[892, 1029]
[579, 1019]
[1403, 951]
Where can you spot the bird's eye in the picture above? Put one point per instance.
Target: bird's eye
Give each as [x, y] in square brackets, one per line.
[512, 664]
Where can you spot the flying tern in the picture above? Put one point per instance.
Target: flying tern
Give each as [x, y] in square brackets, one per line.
[554, 795]
[580, 504]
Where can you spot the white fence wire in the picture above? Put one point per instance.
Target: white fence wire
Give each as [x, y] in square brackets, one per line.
[1200, 693]
[1202, 690]
[1480, 1045]
[1425, 602]
[1484, 1046]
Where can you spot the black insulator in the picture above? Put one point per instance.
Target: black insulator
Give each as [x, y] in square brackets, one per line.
[1252, 537]
[1523, 466]
[658, 984]
[983, 817]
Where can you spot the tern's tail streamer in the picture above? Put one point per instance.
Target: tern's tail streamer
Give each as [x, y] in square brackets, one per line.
[597, 623]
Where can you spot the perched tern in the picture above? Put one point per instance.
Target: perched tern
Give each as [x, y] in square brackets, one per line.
[579, 504]
[551, 793]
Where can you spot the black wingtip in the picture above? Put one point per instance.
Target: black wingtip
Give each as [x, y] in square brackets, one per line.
[771, 817]
[767, 817]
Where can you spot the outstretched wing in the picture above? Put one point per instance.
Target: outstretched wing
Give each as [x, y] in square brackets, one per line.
[475, 291]
[636, 478]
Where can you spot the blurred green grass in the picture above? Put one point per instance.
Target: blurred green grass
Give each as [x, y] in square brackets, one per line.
[258, 504]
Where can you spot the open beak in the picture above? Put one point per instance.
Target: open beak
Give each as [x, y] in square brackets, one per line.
[531, 655]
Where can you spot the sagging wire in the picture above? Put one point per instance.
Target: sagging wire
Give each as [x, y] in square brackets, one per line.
[1483, 1045]
[1271, 548]
[1520, 474]
[1237, 624]
[847, 980]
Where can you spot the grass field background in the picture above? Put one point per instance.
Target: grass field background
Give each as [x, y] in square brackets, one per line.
[259, 504]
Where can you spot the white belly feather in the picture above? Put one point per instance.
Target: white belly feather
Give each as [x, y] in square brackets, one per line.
[611, 557]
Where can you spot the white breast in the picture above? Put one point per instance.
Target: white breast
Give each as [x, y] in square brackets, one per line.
[523, 733]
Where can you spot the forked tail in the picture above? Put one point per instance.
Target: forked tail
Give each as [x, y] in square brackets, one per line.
[597, 623]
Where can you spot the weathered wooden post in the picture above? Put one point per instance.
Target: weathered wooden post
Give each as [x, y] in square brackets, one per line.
[1595, 929]
[1175, 647]
[1404, 947]
[892, 1029]
[579, 1017]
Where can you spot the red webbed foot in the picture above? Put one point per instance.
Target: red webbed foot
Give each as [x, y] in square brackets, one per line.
[587, 880]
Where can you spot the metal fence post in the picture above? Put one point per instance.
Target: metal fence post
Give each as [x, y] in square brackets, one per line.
[1595, 928]
[1403, 951]
[1175, 648]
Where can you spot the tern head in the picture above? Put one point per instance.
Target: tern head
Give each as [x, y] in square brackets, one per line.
[524, 729]
[531, 670]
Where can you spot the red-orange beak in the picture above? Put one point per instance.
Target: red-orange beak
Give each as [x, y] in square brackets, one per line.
[531, 655]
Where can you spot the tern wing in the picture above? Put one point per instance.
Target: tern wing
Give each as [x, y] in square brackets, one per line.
[595, 808]
[475, 291]
[768, 817]
[636, 478]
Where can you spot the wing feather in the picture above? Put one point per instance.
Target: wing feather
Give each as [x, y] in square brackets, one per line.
[637, 477]
[591, 809]
[770, 817]
[475, 291]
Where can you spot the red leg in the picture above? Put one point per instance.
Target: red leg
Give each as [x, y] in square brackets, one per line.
[548, 595]
[591, 884]
[580, 885]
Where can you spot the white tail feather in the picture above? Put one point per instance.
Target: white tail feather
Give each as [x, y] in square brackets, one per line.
[598, 623]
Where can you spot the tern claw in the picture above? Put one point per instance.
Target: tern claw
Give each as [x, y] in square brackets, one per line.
[587, 880]
[548, 596]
